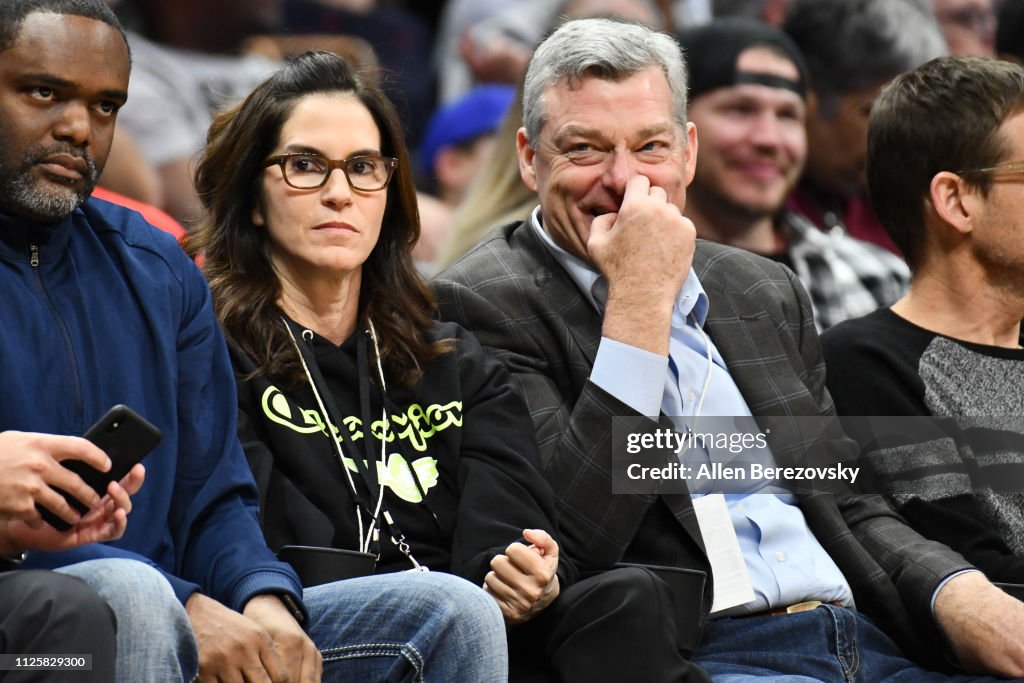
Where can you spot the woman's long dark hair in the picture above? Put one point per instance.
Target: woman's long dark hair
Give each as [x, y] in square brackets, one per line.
[235, 252]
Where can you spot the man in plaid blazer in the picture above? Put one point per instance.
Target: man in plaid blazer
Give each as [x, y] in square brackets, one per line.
[603, 268]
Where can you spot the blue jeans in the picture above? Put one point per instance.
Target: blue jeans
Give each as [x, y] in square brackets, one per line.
[409, 626]
[396, 627]
[154, 636]
[832, 644]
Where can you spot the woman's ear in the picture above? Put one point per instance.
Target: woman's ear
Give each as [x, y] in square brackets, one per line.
[257, 216]
[953, 200]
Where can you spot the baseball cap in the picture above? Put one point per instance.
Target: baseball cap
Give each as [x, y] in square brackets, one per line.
[712, 50]
[477, 112]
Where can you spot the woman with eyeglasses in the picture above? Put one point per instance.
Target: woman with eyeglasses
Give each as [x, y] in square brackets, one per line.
[370, 427]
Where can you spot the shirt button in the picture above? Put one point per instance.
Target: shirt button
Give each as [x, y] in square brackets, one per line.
[780, 556]
[691, 395]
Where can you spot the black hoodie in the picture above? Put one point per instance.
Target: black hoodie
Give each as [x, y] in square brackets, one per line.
[462, 426]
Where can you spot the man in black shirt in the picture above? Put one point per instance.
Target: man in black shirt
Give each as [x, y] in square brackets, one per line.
[945, 151]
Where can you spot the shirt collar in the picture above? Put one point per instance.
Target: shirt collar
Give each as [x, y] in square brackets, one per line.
[691, 300]
[18, 234]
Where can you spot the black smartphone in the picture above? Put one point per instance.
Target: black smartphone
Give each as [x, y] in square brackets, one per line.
[316, 565]
[126, 437]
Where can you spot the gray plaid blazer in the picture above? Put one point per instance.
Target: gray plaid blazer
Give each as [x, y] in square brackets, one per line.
[525, 309]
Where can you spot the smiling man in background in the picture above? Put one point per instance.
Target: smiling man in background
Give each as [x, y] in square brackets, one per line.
[102, 308]
[748, 88]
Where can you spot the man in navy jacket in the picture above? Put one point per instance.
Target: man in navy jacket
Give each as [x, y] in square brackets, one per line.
[100, 308]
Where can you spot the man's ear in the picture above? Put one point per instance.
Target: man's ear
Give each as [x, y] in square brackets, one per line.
[953, 201]
[527, 155]
[690, 153]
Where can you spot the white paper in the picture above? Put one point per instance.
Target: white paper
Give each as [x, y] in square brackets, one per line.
[729, 570]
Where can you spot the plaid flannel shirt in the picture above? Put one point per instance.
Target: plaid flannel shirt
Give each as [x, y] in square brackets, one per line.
[845, 277]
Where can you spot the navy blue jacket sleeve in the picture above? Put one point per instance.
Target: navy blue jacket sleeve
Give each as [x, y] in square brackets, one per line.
[221, 547]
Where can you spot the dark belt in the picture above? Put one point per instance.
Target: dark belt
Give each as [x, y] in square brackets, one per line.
[797, 608]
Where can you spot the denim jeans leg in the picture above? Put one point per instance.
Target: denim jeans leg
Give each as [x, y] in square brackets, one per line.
[409, 626]
[832, 644]
[791, 648]
[154, 635]
[881, 660]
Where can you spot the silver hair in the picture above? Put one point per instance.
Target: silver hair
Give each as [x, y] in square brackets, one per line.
[604, 48]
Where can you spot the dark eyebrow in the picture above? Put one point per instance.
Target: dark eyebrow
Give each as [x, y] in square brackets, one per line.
[306, 149]
[57, 82]
[116, 95]
[49, 79]
[302, 149]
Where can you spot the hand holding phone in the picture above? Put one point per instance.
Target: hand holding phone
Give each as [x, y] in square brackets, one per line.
[126, 437]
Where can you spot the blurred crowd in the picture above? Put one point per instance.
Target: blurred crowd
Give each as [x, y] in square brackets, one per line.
[451, 69]
[428, 258]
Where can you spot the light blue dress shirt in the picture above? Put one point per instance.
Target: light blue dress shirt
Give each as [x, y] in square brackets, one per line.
[785, 561]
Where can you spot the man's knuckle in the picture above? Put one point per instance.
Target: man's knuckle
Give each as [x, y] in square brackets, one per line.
[39, 463]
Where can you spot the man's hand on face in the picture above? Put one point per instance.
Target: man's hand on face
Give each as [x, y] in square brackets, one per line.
[984, 624]
[262, 645]
[645, 252]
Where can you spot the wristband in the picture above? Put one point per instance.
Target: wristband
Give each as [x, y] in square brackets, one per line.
[292, 606]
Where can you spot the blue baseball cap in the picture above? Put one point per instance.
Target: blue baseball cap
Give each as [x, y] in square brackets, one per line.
[477, 112]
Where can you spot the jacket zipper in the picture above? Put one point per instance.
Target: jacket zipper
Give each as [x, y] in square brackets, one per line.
[33, 260]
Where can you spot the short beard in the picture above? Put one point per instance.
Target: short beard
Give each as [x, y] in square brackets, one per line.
[721, 203]
[22, 196]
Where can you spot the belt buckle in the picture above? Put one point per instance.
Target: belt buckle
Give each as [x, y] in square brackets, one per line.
[804, 606]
